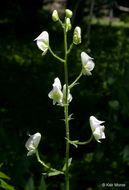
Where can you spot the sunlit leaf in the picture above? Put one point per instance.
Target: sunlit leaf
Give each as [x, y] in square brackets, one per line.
[4, 176]
[6, 186]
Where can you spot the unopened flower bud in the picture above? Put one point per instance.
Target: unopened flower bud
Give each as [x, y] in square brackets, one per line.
[68, 24]
[77, 35]
[69, 13]
[55, 16]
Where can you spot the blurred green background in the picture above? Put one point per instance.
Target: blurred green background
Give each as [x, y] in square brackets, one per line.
[26, 79]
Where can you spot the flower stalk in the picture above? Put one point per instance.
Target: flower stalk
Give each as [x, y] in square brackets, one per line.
[75, 82]
[66, 111]
[54, 55]
[45, 165]
[70, 48]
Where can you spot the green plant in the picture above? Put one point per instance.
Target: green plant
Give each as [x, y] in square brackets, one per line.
[62, 96]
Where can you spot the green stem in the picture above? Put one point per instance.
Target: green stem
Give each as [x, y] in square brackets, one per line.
[45, 165]
[61, 23]
[86, 142]
[76, 142]
[62, 60]
[71, 85]
[66, 112]
[70, 48]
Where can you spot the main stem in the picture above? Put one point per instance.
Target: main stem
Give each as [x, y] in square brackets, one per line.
[66, 113]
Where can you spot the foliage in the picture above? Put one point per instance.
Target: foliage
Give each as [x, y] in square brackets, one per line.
[3, 184]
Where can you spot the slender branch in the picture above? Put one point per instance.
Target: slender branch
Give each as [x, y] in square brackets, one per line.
[76, 142]
[70, 48]
[71, 85]
[45, 165]
[66, 111]
[62, 60]
[61, 23]
[85, 142]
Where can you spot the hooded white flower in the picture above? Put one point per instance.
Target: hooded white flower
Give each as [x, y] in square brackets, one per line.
[32, 143]
[87, 64]
[43, 42]
[55, 94]
[64, 94]
[97, 128]
[77, 35]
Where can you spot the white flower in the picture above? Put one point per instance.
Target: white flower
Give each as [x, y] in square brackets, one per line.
[77, 35]
[87, 64]
[55, 16]
[97, 128]
[55, 94]
[69, 13]
[32, 143]
[43, 42]
[68, 24]
[69, 96]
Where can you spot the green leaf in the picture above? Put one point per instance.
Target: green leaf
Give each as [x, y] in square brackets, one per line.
[69, 164]
[5, 186]
[54, 173]
[42, 185]
[70, 117]
[4, 176]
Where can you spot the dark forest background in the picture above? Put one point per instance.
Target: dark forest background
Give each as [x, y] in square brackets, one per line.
[26, 78]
